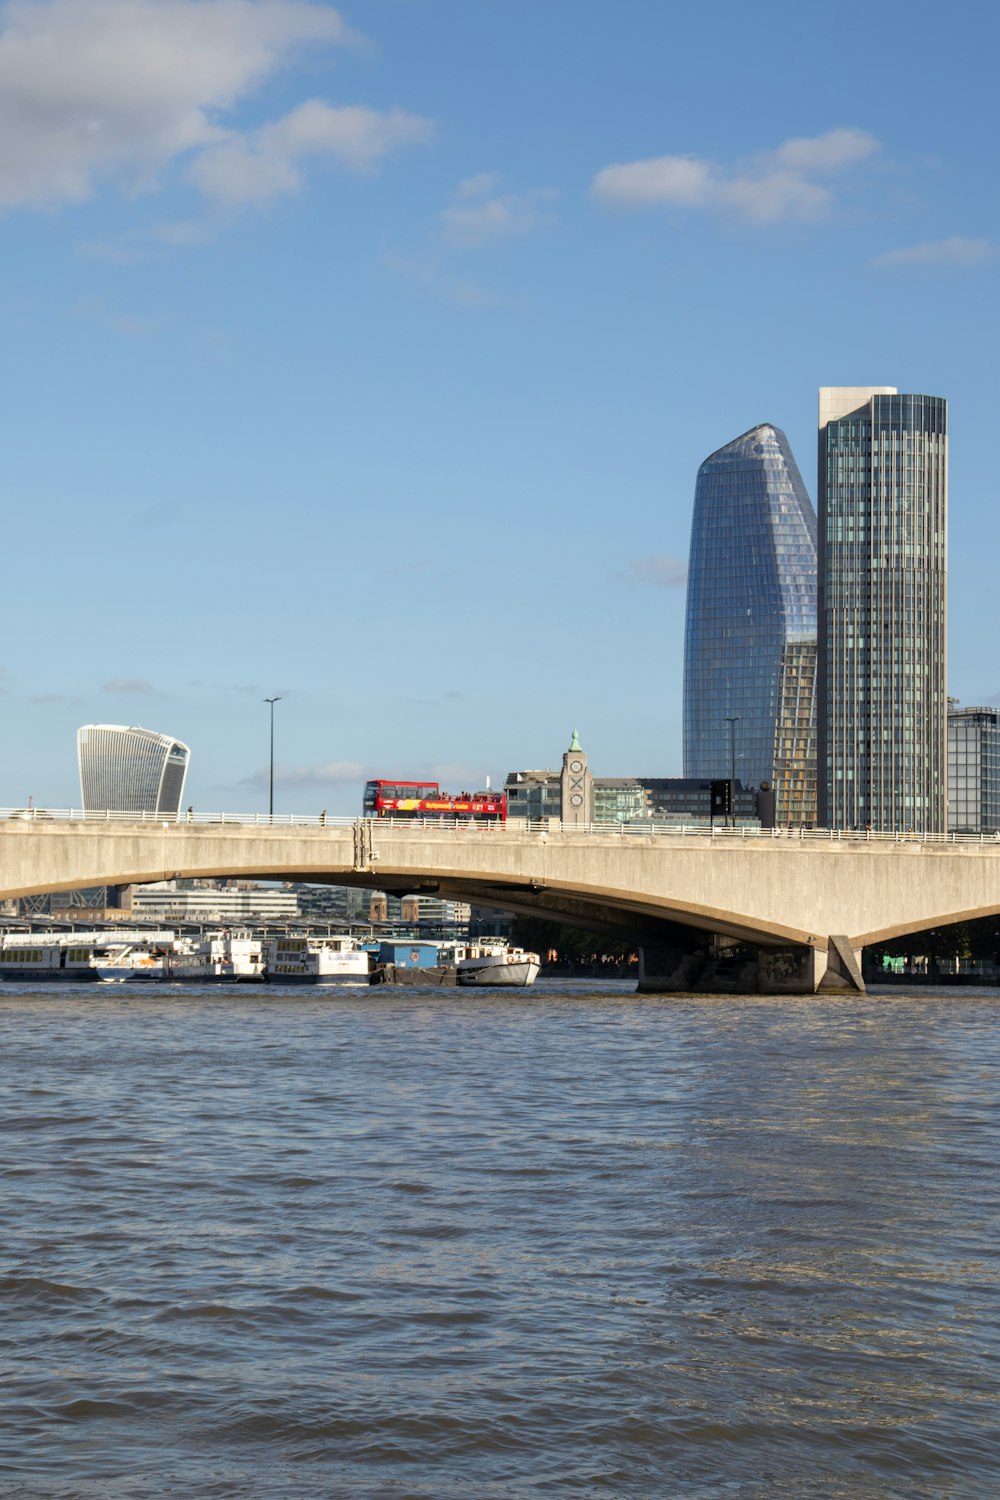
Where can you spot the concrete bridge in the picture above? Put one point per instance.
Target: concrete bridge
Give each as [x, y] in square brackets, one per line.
[810, 903]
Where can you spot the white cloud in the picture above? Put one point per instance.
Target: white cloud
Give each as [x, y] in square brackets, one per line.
[182, 232]
[774, 186]
[826, 153]
[775, 196]
[478, 186]
[956, 251]
[305, 778]
[663, 572]
[92, 90]
[264, 163]
[478, 214]
[660, 179]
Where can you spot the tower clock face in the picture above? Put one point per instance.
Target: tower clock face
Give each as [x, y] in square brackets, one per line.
[576, 765]
[576, 800]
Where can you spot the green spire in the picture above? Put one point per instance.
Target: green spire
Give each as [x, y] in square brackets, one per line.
[574, 743]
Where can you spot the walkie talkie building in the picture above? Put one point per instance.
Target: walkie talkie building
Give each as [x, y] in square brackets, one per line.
[750, 639]
[127, 769]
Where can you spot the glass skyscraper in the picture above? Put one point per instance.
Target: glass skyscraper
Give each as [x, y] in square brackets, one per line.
[750, 638]
[883, 508]
[127, 769]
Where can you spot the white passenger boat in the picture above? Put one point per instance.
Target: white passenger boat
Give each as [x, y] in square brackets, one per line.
[27, 958]
[133, 963]
[316, 960]
[495, 963]
[218, 956]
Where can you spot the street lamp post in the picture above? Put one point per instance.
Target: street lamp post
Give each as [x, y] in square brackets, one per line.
[270, 779]
[732, 720]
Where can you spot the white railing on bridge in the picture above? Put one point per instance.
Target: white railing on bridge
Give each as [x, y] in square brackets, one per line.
[641, 828]
[168, 820]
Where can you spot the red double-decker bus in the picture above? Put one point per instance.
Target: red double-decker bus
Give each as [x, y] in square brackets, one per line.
[425, 799]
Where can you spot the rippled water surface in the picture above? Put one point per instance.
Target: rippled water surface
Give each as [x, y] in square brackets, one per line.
[434, 1244]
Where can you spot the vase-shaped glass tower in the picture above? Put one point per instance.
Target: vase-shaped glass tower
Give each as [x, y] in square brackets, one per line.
[750, 641]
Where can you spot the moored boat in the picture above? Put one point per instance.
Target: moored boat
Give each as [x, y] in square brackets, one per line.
[132, 963]
[220, 956]
[315, 960]
[495, 963]
[413, 962]
[26, 958]
[492, 962]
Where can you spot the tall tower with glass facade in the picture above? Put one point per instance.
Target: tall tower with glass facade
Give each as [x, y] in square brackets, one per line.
[883, 704]
[127, 769]
[750, 637]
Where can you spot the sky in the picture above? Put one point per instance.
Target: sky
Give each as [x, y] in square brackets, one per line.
[365, 356]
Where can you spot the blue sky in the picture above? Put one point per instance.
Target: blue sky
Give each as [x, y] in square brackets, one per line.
[366, 355]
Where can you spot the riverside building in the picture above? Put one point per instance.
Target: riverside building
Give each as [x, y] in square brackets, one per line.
[627, 799]
[189, 902]
[973, 769]
[882, 695]
[750, 634]
[127, 769]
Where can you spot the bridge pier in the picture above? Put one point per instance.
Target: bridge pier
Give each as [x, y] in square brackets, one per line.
[669, 970]
[798, 970]
[793, 969]
[842, 971]
[789, 971]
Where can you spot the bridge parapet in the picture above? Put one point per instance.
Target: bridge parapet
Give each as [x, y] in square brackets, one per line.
[639, 828]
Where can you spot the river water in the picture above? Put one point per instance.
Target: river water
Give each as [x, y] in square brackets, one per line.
[444, 1244]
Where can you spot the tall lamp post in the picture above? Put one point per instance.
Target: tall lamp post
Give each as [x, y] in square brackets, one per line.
[732, 720]
[270, 779]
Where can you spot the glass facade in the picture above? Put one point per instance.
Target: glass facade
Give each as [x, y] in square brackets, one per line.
[534, 794]
[750, 639]
[973, 770]
[618, 800]
[882, 562]
[127, 769]
[626, 799]
[674, 799]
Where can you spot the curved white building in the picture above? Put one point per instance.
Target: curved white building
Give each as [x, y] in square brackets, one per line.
[127, 769]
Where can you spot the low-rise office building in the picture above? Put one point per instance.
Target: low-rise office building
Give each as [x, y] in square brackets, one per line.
[627, 799]
[434, 911]
[332, 903]
[973, 769]
[183, 901]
